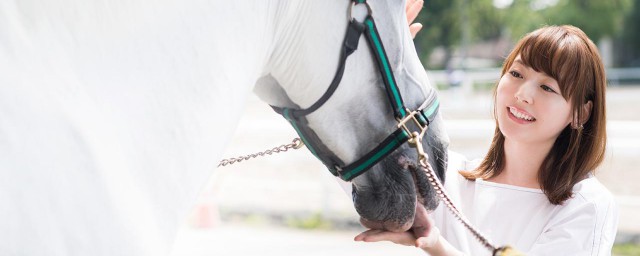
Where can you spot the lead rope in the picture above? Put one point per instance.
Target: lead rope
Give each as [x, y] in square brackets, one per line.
[415, 141]
[295, 144]
[437, 185]
[439, 188]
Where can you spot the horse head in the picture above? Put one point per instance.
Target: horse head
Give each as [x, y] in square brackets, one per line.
[345, 125]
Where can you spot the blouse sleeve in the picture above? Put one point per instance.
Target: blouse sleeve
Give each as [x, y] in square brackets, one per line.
[580, 228]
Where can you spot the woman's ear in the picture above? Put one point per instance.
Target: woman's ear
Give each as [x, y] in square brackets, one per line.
[586, 112]
[580, 120]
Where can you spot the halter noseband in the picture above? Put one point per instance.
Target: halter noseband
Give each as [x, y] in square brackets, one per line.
[421, 118]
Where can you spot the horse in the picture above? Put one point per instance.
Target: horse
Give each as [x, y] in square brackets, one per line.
[113, 114]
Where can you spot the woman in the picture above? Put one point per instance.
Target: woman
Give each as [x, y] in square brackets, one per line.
[534, 189]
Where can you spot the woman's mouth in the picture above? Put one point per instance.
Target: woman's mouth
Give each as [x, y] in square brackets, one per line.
[520, 116]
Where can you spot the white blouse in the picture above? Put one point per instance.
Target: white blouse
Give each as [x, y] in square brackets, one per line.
[585, 224]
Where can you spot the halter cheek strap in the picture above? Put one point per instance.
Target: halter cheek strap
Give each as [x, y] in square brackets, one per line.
[421, 118]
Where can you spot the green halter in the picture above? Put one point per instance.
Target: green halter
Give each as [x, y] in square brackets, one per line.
[421, 118]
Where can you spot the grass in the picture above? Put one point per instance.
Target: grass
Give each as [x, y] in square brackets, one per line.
[315, 221]
[626, 249]
[307, 221]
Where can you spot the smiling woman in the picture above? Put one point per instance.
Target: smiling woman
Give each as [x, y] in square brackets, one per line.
[535, 188]
[555, 76]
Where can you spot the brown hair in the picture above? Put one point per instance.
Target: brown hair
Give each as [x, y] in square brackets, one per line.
[568, 55]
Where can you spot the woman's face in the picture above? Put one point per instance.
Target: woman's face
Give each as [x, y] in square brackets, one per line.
[529, 106]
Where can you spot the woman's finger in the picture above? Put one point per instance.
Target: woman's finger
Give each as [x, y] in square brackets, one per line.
[414, 29]
[430, 240]
[408, 4]
[412, 9]
[363, 235]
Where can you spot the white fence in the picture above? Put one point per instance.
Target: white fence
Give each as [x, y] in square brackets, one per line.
[468, 78]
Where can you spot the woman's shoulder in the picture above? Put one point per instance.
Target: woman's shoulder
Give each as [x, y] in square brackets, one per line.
[591, 214]
[456, 163]
[591, 191]
[590, 198]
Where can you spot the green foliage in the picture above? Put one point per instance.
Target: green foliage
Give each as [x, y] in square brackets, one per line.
[520, 19]
[315, 221]
[626, 249]
[596, 18]
[632, 25]
[444, 20]
[631, 36]
[484, 19]
[441, 26]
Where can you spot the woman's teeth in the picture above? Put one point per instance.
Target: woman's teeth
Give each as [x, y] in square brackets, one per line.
[521, 115]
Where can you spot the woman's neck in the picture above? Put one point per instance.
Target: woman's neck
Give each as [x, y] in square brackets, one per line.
[522, 163]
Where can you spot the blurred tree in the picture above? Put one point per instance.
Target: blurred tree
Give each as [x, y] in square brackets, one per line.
[596, 18]
[630, 38]
[443, 23]
[519, 18]
[485, 20]
[441, 27]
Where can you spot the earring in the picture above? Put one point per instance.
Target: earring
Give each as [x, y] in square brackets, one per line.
[579, 128]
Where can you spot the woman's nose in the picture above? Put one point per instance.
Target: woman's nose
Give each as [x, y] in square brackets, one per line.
[525, 93]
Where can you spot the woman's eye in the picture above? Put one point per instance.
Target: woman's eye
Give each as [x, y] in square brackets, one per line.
[515, 74]
[547, 88]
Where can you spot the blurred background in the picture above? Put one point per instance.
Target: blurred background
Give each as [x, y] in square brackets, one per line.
[290, 204]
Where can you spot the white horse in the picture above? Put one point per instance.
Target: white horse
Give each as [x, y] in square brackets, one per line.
[113, 114]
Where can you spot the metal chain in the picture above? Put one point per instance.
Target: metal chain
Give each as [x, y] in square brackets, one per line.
[424, 163]
[295, 144]
[415, 141]
[437, 185]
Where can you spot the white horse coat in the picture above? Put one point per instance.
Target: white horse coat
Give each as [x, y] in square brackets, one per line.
[113, 114]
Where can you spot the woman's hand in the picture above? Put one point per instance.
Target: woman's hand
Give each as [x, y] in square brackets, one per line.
[412, 9]
[423, 234]
[407, 238]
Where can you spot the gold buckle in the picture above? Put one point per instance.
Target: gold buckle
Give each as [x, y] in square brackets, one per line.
[415, 138]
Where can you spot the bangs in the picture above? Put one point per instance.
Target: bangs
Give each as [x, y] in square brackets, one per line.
[560, 55]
